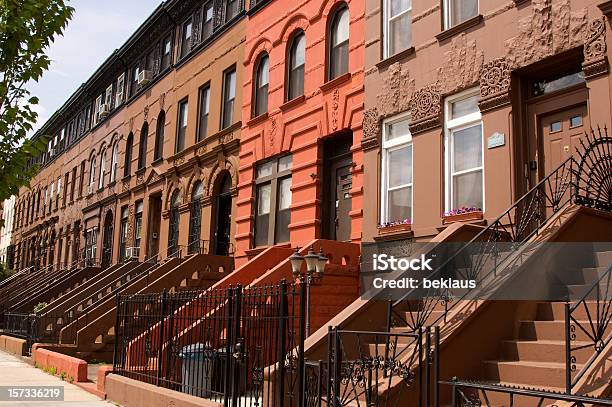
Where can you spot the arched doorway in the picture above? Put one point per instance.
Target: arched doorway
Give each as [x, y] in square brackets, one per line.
[107, 245]
[223, 216]
[195, 219]
[173, 228]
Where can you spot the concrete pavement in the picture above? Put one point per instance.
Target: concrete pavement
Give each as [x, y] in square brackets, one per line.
[15, 372]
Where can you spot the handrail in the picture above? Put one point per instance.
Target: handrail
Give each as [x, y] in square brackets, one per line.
[594, 329]
[533, 214]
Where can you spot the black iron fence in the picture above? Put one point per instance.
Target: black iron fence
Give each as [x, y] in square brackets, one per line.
[36, 328]
[238, 346]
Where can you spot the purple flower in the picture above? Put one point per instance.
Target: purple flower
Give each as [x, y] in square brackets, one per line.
[462, 210]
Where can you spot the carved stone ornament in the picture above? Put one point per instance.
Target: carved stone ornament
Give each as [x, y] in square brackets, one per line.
[494, 84]
[162, 100]
[201, 150]
[125, 186]
[371, 129]
[146, 113]
[140, 179]
[426, 109]
[335, 105]
[595, 60]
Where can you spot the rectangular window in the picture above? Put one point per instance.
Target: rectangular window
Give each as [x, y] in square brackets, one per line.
[66, 179]
[138, 224]
[186, 38]
[207, 20]
[204, 109]
[167, 53]
[134, 83]
[120, 90]
[396, 174]
[231, 9]
[464, 152]
[108, 100]
[398, 26]
[229, 95]
[123, 232]
[458, 11]
[181, 130]
[82, 179]
[273, 201]
[99, 103]
[73, 184]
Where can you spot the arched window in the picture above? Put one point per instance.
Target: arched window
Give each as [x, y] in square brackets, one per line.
[102, 170]
[195, 221]
[127, 164]
[92, 175]
[295, 73]
[114, 162]
[260, 86]
[173, 228]
[339, 43]
[159, 136]
[142, 147]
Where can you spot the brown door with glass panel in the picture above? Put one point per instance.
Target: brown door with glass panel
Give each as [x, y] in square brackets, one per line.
[561, 134]
[337, 184]
[343, 202]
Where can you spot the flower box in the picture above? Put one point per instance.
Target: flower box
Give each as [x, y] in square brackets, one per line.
[387, 230]
[462, 217]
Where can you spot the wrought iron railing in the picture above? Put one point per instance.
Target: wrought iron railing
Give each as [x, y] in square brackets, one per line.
[481, 257]
[588, 328]
[243, 347]
[585, 180]
[477, 394]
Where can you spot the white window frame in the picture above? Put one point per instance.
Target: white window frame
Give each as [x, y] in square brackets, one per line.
[92, 172]
[114, 162]
[386, 147]
[108, 99]
[451, 126]
[120, 90]
[102, 170]
[447, 14]
[387, 23]
[98, 107]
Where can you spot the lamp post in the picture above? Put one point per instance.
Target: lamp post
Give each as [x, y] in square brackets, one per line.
[315, 268]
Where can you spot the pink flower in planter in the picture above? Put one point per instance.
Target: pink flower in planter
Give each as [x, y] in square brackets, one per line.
[462, 210]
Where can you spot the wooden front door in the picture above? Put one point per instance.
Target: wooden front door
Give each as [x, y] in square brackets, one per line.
[561, 133]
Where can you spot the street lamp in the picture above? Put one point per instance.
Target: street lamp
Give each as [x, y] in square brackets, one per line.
[315, 268]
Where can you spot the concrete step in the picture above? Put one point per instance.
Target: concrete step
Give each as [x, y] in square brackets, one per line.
[550, 311]
[543, 351]
[603, 258]
[503, 399]
[525, 373]
[548, 330]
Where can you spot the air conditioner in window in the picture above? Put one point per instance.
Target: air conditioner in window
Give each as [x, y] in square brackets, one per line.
[132, 252]
[104, 111]
[144, 77]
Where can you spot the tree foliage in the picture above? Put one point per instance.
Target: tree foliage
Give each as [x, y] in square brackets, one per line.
[27, 28]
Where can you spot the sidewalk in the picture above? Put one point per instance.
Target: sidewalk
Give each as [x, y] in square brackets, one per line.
[15, 372]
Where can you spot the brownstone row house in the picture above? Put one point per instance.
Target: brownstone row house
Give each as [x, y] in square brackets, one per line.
[143, 157]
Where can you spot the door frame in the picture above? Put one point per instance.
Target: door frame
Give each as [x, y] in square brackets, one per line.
[545, 105]
[331, 163]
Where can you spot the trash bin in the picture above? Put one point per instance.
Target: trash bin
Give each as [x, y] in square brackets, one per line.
[197, 369]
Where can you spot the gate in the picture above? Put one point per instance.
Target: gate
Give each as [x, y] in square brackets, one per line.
[382, 369]
[237, 346]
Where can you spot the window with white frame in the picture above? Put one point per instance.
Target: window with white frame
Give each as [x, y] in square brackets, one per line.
[464, 152]
[92, 172]
[458, 11]
[396, 174]
[102, 170]
[398, 26]
[120, 90]
[114, 162]
[108, 99]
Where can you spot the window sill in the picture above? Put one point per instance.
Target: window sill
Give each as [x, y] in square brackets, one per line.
[126, 178]
[292, 103]
[462, 217]
[386, 237]
[141, 170]
[158, 161]
[451, 32]
[112, 184]
[256, 120]
[519, 2]
[395, 58]
[336, 82]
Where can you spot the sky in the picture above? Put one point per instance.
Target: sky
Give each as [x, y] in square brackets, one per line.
[97, 28]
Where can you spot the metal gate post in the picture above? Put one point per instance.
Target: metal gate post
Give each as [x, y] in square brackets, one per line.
[164, 310]
[282, 351]
[117, 336]
[300, 366]
[228, 346]
[236, 346]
